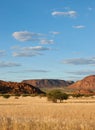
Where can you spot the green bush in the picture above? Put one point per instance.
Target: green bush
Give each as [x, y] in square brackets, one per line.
[25, 95]
[56, 95]
[78, 95]
[17, 94]
[42, 95]
[6, 96]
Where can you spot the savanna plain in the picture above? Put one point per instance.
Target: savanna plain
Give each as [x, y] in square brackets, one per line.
[37, 113]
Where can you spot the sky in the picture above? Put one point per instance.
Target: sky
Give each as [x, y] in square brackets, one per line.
[47, 39]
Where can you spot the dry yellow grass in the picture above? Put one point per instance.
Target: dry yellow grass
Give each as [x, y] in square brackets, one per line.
[34, 113]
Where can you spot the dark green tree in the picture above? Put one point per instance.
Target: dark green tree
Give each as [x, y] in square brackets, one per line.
[6, 96]
[56, 95]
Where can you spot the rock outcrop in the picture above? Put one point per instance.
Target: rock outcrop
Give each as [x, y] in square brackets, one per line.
[85, 85]
[48, 83]
[18, 88]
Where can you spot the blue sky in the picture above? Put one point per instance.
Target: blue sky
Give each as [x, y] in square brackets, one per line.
[47, 39]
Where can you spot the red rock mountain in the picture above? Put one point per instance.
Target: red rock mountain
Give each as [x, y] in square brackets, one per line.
[48, 83]
[86, 84]
[18, 88]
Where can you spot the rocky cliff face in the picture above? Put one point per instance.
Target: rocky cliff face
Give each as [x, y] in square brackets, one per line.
[48, 83]
[86, 84]
[18, 88]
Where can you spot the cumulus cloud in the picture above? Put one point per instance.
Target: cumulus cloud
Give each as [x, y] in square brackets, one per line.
[79, 26]
[45, 41]
[9, 64]
[2, 52]
[71, 13]
[80, 61]
[26, 36]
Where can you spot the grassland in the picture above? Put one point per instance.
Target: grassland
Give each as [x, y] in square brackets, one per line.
[34, 113]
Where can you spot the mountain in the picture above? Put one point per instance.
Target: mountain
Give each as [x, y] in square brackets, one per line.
[18, 88]
[85, 85]
[48, 83]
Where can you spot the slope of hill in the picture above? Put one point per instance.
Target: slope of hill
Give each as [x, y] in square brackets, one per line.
[48, 83]
[85, 85]
[18, 88]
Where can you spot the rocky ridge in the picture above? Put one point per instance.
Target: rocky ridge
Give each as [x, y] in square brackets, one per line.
[48, 83]
[18, 88]
[86, 85]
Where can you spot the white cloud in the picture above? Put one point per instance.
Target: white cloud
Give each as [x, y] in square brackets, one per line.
[29, 71]
[35, 48]
[2, 52]
[37, 71]
[82, 72]
[45, 41]
[26, 36]
[67, 13]
[74, 78]
[23, 36]
[15, 47]
[8, 64]
[79, 26]
[29, 51]
[55, 33]
[26, 54]
[80, 61]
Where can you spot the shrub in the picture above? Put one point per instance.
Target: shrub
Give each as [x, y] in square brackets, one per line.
[34, 95]
[42, 95]
[55, 95]
[17, 94]
[25, 95]
[6, 96]
[78, 95]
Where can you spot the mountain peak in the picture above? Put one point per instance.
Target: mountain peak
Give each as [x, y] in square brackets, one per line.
[86, 84]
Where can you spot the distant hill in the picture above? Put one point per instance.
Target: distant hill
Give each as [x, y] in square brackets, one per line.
[18, 88]
[85, 85]
[48, 83]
